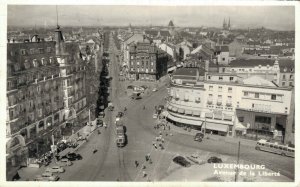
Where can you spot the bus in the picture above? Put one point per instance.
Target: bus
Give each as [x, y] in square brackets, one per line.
[264, 145]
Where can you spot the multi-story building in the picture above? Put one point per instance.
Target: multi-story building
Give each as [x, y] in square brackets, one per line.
[147, 62]
[279, 71]
[226, 104]
[45, 93]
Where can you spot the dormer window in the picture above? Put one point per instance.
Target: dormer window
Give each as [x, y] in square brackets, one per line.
[34, 63]
[43, 61]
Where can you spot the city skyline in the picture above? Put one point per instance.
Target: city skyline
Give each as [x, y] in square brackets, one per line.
[242, 17]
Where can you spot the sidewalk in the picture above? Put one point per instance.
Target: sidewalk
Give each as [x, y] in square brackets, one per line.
[214, 137]
[28, 173]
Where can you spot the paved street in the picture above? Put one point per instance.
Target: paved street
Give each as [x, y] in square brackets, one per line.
[117, 164]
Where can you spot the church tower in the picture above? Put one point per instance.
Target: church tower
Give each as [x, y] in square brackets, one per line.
[224, 24]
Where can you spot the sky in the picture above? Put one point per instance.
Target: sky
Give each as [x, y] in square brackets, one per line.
[273, 17]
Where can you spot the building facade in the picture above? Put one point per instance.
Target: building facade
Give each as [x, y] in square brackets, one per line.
[46, 94]
[147, 62]
[228, 105]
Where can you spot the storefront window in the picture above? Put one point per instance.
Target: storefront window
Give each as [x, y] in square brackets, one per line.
[263, 119]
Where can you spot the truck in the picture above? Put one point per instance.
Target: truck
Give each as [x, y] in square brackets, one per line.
[121, 136]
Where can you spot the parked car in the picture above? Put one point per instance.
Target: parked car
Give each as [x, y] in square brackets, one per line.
[46, 177]
[181, 161]
[55, 169]
[65, 162]
[72, 156]
[154, 89]
[120, 114]
[130, 87]
[198, 137]
[155, 115]
[214, 159]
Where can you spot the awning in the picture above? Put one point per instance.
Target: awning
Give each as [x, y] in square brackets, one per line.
[216, 126]
[196, 113]
[217, 116]
[174, 109]
[191, 122]
[240, 126]
[227, 117]
[181, 111]
[209, 115]
[188, 112]
[185, 121]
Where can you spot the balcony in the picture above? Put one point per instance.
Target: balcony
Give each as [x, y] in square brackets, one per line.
[209, 102]
[228, 104]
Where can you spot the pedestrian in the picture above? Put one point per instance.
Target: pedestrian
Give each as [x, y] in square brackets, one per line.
[162, 140]
[136, 163]
[160, 133]
[150, 161]
[144, 167]
[155, 146]
[146, 158]
[144, 174]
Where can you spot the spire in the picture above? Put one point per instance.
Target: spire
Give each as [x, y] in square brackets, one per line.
[229, 23]
[224, 24]
[59, 39]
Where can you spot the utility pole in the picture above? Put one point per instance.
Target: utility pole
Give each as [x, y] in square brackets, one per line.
[238, 161]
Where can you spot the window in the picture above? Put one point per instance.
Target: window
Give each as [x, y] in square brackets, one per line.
[210, 95]
[34, 63]
[283, 83]
[283, 77]
[137, 63]
[220, 78]
[208, 77]
[41, 50]
[229, 98]
[12, 53]
[291, 76]
[23, 52]
[211, 88]
[32, 51]
[223, 59]
[273, 97]
[231, 78]
[151, 70]
[256, 95]
[26, 64]
[290, 83]
[49, 49]
[220, 88]
[229, 90]
[151, 63]
[219, 96]
[263, 119]
[246, 93]
[131, 57]
[43, 61]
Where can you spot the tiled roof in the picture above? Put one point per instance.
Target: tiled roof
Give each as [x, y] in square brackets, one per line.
[186, 72]
[223, 48]
[151, 32]
[286, 64]
[165, 33]
[251, 62]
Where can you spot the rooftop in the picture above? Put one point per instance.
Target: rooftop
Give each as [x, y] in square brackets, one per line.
[223, 48]
[251, 62]
[256, 80]
[186, 72]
